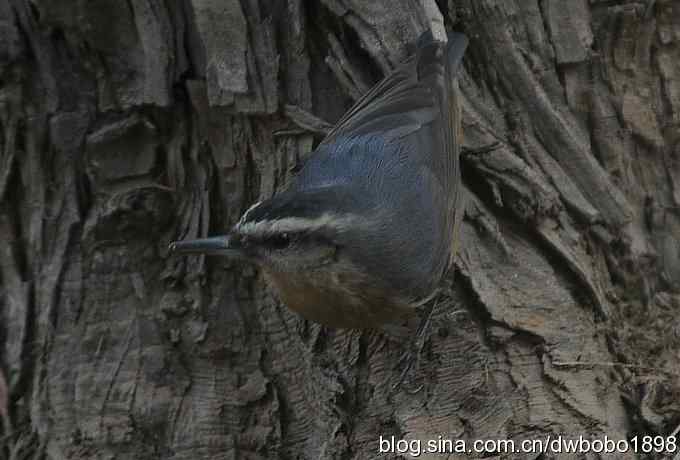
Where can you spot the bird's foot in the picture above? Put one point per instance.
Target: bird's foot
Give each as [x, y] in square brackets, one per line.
[410, 358]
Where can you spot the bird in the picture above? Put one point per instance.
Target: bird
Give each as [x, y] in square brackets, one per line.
[366, 230]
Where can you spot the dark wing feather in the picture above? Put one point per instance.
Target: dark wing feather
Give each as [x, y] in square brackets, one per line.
[397, 95]
[422, 91]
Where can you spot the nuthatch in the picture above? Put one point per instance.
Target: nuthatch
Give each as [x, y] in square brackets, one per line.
[367, 229]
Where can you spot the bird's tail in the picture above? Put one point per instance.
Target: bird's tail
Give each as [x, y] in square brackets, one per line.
[429, 50]
[440, 71]
[455, 50]
[405, 96]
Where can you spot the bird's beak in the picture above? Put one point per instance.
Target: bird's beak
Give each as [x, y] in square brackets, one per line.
[226, 245]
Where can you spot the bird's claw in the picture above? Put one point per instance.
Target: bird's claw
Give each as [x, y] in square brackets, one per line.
[412, 354]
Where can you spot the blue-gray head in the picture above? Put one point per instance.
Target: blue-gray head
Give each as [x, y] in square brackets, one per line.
[295, 230]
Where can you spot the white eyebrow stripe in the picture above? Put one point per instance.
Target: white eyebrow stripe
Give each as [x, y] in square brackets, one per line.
[245, 214]
[296, 224]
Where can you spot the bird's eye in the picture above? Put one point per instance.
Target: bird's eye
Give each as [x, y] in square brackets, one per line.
[280, 240]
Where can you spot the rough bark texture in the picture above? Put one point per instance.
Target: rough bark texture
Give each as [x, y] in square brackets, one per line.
[127, 124]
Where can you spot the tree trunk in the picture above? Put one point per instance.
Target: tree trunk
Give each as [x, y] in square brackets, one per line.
[129, 124]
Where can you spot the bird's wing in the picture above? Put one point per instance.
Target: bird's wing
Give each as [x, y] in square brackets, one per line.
[412, 93]
[418, 105]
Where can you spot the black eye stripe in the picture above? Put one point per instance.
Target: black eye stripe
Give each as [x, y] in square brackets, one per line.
[279, 240]
[284, 240]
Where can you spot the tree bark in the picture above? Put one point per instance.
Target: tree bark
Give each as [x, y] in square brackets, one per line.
[129, 124]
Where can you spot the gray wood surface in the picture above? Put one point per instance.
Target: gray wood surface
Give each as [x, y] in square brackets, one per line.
[125, 125]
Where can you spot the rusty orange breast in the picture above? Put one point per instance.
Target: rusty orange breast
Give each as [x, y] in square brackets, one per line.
[336, 300]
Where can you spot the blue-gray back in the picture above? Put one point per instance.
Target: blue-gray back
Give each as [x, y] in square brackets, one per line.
[393, 158]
